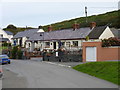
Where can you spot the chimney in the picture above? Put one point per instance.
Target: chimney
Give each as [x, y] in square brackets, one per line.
[92, 25]
[40, 27]
[76, 26]
[49, 28]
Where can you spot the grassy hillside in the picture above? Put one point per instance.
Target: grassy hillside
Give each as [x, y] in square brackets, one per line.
[105, 70]
[101, 19]
[18, 29]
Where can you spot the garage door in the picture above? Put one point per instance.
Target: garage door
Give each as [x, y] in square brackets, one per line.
[91, 54]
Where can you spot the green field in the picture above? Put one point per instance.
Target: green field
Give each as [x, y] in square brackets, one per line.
[104, 70]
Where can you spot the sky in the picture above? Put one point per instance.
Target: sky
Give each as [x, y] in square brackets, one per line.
[33, 13]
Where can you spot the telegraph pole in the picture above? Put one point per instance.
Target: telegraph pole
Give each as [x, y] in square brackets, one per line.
[86, 13]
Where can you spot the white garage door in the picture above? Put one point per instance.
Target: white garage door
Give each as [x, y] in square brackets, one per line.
[91, 54]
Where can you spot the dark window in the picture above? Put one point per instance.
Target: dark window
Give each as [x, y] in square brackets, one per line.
[1, 35]
[63, 43]
[75, 43]
[47, 43]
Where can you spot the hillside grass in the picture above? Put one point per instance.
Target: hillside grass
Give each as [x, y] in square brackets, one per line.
[109, 18]
[105, 70]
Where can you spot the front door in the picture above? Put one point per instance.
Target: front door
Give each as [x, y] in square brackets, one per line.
[54, 45]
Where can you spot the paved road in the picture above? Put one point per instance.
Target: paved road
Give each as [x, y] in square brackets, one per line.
[34, 74]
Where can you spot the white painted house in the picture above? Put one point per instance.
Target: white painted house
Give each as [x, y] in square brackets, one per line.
[6, 36]
[68, 39]
[21, 37]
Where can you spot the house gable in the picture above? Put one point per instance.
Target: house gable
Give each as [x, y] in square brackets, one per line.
[107, 33]
[2, 32]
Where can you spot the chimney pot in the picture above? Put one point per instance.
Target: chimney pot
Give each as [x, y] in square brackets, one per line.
[92, 25]
[49, 28]
[76, 26]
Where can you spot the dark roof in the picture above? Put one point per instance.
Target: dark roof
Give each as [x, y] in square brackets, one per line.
[62, 34]
[26, 33]
[116, 32]
[96, 32]
[9, 33]
[4, 39]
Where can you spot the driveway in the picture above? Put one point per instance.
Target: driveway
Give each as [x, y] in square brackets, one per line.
[35, 74]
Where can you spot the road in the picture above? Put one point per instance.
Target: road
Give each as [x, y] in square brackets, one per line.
[35, 74]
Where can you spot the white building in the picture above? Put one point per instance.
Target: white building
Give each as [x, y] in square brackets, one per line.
[6, 36]
[69, 39]
[21, 37]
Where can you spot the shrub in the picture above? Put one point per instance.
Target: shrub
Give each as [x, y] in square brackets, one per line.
[110, 42]
[16, 53]
[6, 44]
[13, 52]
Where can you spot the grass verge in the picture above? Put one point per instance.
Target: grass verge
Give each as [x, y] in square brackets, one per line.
[105, 70]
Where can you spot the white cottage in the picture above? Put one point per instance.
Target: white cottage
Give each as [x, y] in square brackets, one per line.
[69, 39]
[6, 36]
[21, 37]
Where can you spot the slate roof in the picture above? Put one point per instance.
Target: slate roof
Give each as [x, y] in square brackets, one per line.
[62, 34]
[9, 33]
[4, 39]
[96, 32]
[26, 33]
[116, 32]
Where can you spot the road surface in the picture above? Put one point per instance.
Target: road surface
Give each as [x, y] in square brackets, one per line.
[35, 74]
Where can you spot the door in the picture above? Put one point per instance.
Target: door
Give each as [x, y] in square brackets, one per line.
[20, 42]
[91, 54]
[54, 45]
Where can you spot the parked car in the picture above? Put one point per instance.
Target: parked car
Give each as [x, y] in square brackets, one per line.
[1, 73]
[4, 59]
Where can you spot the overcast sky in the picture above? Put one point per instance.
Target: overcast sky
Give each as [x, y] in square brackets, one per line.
[36, 12]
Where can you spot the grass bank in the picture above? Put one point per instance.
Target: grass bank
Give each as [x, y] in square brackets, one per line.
[104, 70]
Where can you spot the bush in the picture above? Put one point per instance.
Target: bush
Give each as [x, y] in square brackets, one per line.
[110, 42]
[6, 44]
[13, 52]
[16, 53]
[19, 54]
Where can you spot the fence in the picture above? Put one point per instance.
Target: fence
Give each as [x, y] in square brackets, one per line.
[63, 56]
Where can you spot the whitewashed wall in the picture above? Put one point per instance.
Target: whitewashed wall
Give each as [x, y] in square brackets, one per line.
[106, 34]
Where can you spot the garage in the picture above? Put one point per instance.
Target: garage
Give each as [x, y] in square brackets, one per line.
[91, 54]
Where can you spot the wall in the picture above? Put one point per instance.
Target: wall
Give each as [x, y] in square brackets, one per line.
[4, 33]
[103, 53]
[23, 41]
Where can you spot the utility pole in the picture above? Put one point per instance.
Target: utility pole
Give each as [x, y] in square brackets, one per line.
[86, 13]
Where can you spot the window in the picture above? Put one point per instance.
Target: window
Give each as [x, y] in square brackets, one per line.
[63, 43]
[48, 43]
[1, 35]
[68, 44]
[75, 43]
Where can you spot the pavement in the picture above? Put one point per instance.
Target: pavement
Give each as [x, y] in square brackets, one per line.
[35, 74]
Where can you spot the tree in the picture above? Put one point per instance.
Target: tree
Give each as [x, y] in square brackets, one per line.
[11, 27]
